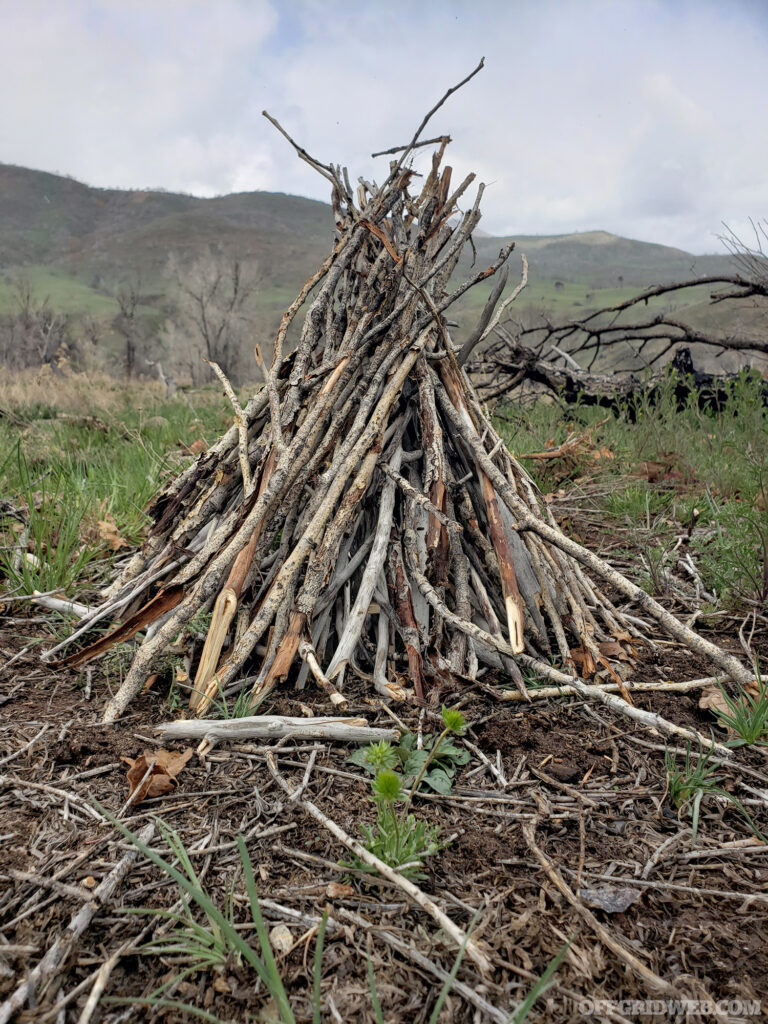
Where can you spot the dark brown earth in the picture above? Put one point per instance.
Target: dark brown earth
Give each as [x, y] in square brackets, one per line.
[592, 784]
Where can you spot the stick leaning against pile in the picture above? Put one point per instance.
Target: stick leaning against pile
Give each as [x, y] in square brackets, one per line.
[363, 516]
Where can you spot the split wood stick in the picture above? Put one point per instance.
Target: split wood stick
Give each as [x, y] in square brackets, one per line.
[437, 540]
[284, 657]
[526, 520]
[495, 629]
[513, 600]
[449, 927]
[400, 591]
[206, 685]
[78, 923]
[308, 653]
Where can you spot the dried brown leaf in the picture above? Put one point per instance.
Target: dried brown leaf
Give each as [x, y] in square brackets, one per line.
[154, 773]
[336, 890]
[109, 533]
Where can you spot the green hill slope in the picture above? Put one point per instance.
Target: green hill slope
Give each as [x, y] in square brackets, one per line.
[74, 243]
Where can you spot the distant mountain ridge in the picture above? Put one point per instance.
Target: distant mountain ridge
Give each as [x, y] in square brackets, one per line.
[75, 243]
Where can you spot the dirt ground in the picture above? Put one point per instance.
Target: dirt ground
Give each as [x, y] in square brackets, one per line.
[560, 828]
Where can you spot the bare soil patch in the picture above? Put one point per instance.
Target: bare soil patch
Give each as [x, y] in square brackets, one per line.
[594, 788]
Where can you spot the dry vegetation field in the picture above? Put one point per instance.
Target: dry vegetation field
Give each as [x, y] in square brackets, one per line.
[603, 869]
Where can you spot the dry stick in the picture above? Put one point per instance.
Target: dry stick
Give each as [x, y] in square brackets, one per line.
[485, 316]
[436, 540]
[484, 328]
[354, 624]
[394, 150]
[513, 600]
[326, 171]
[528, 521]
[386, 689]
[647, 718]
[309, 654]
[421, 499]
[448, 926]
[635, 965]
[427, 118]
[100, 983]
[402, 601]
[56, 604]
[78, 923]
[271, 727]
[240, 422]
[591, 689]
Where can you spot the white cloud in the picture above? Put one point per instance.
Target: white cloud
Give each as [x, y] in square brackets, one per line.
[642, 117]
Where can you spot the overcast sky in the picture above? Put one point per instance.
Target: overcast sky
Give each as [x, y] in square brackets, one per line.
[646, 118]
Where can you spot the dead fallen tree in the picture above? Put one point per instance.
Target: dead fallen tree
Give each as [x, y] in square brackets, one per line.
[561, 358]
[362, 517]
[507, 365]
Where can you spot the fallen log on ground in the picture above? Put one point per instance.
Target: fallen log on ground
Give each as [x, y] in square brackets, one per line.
[362, 517]
[507, 365]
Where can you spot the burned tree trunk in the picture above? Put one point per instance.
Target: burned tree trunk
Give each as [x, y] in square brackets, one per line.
[560, 358]
[505, 366]
[363, 517]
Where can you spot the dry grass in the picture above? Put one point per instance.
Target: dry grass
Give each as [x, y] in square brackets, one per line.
[64, 390]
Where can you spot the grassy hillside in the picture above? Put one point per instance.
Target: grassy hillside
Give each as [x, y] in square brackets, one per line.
[74, 244]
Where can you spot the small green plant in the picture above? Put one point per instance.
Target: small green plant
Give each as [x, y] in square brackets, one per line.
[399, 838]
[688, 787]
[747, 715]
[240, 709]
[439, 753]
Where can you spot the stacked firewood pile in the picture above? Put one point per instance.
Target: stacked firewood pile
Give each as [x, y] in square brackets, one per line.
[363, 518]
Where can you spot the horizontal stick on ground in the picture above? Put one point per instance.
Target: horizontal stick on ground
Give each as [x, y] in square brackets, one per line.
[275, 727]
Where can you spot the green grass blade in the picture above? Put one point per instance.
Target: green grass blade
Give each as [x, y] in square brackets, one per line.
[198, 895]
[275, 982]
[541, 985]
[374, 994]
[448, 985]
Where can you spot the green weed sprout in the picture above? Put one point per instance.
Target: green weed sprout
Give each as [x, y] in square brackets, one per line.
[454, 722]
[747, 715]
[689, 786]
[400, 840]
